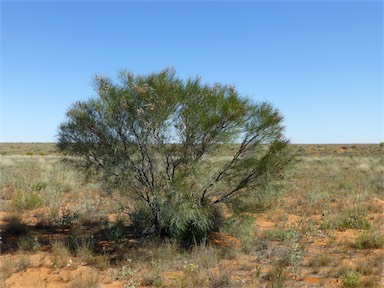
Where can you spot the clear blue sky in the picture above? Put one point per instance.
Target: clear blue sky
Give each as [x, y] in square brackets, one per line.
[320, 62]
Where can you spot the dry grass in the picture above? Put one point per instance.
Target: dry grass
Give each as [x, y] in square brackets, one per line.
[86, 280]
[30, 149]
[8, 266]
[327, 225]
[61, 256]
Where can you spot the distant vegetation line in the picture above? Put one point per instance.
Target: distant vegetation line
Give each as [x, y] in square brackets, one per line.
[49, 148]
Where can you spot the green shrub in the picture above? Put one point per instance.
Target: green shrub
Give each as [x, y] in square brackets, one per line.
[348, 221]
[188, 222]
[241, 226]
[350, 279]
[27, 201]
[162, 142]
[354, 221]
[116, 232]
[38, 186]
[277, 276]
[142, 219]
[7, 267]
[84, 250]
[128, 275]
[23, 263]
[369, 240]
[295, 254]
[321, 260]
[60, 254]
[27, 243]
[280, 234]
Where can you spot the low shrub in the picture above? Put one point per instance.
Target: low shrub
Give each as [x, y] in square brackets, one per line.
[38, 186]
[321, 260]
[280, 234]
[27, 201]
[28, 243]
[61, 254]
[350, 279]
[349, 221]
[7, 267]
[277, 276]
[142, 220]
[116, 232]
[369, 240]
[23, 263]
[86, 280]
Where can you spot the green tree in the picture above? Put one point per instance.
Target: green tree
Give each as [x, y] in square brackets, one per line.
[178, 147]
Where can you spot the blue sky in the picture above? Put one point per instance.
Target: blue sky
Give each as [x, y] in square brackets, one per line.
[320, 62]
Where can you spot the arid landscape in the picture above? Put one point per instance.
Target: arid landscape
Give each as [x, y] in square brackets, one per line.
[322, 227]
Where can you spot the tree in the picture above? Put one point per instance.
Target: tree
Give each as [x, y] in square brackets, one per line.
[178, 147]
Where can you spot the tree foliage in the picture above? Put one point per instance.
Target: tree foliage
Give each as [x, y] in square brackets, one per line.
[179, 147]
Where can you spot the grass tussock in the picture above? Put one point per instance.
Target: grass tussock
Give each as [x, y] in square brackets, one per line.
[7, 267]
[371, 239]
[86, 280]
[61, 256]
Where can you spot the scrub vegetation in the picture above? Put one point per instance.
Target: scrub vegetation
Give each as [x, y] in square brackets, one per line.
[324, 227]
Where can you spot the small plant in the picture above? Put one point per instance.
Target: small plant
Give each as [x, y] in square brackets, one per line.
[27, 243]
[38, 186]
[244, 228]
[116, 233]
[369, 240]
[372, 281]
[84, 251]
[7, 267]
[23, 263]
[94, 219]
[240, 226]
[377, 183]
[127, 275]
[321, 260]
[102, 261]
[354, 221]
[258, 271]
[221, 279]
[67, 217]
[342, 222]
[193, 275]
[280, 234]
[27, 201]
[60, 254]
[295, 253]
[365, 268]
[190, 268]
[86, 280]
[350, 279]
[63, 219]
[277, 276]
[154, 278]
